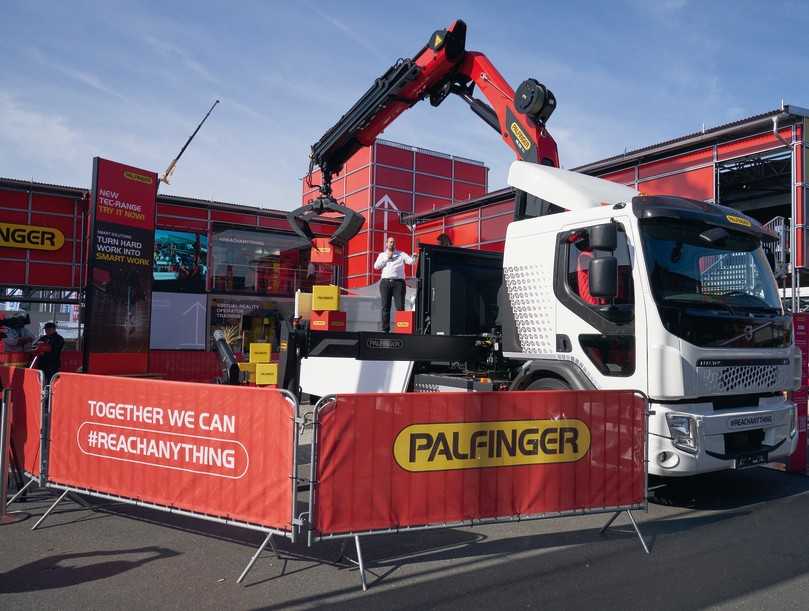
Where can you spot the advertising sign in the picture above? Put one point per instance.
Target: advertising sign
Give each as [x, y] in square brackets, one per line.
[180, 261]
[116, 336]
[26, 415]
[30, 237]
[437, 458]
[218, 450]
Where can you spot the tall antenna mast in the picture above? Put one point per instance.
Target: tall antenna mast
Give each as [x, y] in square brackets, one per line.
[170, 170]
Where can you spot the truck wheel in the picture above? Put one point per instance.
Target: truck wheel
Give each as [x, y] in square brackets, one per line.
[548, 384]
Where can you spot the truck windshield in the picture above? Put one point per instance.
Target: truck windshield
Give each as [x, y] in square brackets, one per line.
[714, 287]
[730, 272]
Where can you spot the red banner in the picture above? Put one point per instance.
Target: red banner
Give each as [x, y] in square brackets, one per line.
[26, 415]
[121, 249]
[397, 460]
[219, 450]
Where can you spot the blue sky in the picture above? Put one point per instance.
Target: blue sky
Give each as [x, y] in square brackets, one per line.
[129, 81]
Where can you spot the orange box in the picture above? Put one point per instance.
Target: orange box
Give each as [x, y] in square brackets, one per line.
[404, 321]
[327, 320]
[324, 251]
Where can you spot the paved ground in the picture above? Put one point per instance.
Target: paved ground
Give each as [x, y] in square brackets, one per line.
[733, 541]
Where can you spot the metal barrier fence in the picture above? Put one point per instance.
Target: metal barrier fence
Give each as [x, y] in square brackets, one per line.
[389, 463]
[381, 463]
[200, 450]
[27, 406]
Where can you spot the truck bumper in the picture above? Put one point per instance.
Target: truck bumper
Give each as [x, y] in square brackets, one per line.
[732, 439]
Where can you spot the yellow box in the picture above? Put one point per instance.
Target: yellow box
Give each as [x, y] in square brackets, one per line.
[248, 367]
[325, 297]
[260, 352]
[266, 373]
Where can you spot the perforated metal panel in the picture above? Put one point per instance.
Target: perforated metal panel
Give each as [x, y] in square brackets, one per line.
[744, 378]
[532, 301]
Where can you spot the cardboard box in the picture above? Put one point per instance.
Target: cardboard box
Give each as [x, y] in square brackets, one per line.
[266, 373]
[325, 297]
[328, 321]
[404, 322]
[248, 367]
[323, 251]
[260, 352]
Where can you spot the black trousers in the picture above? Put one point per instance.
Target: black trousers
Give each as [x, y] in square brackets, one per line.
[391, 288]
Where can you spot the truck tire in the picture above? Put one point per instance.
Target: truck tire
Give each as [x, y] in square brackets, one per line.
[548, 384]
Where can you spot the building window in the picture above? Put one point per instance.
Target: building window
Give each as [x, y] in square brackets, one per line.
[262, 263]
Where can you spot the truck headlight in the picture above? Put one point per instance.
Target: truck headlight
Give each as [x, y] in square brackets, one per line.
[683, 431]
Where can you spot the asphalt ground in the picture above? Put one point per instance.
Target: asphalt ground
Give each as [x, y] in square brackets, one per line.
[736, 540]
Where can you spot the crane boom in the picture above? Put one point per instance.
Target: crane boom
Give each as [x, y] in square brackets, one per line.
[442, 67]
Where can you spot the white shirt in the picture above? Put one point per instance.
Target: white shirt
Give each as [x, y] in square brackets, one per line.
[393, 267]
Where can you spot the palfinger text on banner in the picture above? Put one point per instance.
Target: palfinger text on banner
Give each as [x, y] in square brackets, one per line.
[388, 461]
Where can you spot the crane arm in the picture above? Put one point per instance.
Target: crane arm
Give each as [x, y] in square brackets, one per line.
[442, 67]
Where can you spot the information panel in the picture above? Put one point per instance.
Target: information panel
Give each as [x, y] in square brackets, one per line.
[120, 268]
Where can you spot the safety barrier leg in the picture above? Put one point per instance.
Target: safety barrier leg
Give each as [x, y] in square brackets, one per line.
[51, 508]
[634, 525]
[267, 540]
[361, 564]
[20, 491]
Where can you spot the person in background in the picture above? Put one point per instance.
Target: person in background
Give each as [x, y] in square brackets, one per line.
[392, 284]
[48, 350]
[16, 335]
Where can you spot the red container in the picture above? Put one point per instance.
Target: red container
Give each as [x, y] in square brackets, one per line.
[327, 321]
[323, 251]
[404, 322]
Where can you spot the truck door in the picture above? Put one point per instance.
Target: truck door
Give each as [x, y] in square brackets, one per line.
[605, 336]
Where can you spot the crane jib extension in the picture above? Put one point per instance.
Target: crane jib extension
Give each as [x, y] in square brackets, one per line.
[442, 67]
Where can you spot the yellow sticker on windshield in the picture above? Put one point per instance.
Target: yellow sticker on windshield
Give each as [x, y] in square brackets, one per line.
[738, 220]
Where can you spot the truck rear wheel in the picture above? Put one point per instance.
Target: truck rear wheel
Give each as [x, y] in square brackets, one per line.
[548, 384]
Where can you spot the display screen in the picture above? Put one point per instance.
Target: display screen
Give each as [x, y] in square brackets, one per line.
[180, 261]
[257, 262]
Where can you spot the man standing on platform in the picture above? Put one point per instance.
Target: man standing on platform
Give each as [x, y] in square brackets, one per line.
[392, 285]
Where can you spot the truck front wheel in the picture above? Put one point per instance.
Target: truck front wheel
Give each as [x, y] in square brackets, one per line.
[547, 384]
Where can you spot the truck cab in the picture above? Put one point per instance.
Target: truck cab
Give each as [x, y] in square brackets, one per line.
[669, 296]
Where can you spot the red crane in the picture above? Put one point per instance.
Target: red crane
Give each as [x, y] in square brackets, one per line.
[442, 67]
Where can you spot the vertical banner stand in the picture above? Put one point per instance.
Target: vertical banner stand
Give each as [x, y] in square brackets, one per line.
[634, 525]
[5, 447]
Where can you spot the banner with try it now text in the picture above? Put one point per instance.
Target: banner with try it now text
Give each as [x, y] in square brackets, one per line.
[223, 451]
[119, 282]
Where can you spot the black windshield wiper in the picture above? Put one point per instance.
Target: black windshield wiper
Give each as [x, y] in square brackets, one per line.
[702, 303]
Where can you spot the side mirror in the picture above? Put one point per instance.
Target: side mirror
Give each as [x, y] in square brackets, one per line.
[604, 237]
[604, 277]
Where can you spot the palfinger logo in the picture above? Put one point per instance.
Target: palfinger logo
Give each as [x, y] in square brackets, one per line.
[503, 443]
[519, 134]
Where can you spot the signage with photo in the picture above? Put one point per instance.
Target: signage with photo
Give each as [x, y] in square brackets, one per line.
[180, 261]
[119, 289]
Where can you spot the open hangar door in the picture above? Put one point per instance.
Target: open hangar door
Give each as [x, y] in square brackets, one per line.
[760, 185]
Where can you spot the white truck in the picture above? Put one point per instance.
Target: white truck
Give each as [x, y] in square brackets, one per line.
[668, 296]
